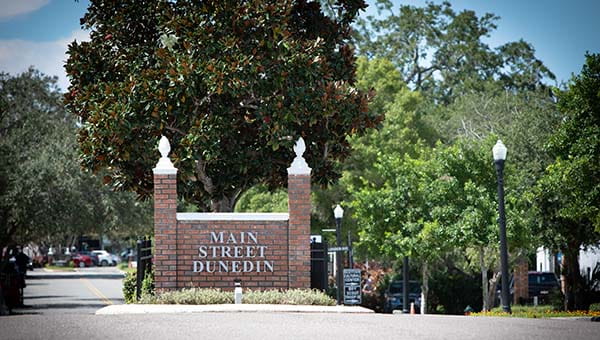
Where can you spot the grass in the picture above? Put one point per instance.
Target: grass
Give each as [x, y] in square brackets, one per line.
[60, 268]
[209, 296]
[125, 267]
[537, 312]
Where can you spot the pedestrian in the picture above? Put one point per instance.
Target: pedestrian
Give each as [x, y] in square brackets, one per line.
[22, 261]
[368, 287]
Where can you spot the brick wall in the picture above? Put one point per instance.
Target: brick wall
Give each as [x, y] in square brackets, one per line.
[211, 250]
[207, 261]
[299, 230]
[521, 282]
[165, 231]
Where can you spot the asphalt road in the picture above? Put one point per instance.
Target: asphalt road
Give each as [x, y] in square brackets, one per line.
[80, 292]
[61, 306]
[289, 326]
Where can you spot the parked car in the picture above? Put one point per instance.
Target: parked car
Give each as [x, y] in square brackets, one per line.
[104, 258]
[541, 284]
[127, 253]
[94, 257]
[394, 295]
[81, 261]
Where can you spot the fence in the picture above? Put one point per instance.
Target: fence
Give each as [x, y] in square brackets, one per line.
[318, 266]
[144, 261]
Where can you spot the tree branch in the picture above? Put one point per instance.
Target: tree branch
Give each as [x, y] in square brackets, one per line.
[203, 177]
[174, 129]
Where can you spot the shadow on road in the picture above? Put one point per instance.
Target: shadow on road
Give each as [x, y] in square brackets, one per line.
[62, 306]
[46, 297]
[76, 276]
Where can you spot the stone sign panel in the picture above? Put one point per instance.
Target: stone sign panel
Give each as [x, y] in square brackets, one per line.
[352, 290]
[215, 253]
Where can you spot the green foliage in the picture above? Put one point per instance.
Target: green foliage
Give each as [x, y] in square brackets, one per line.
[148, 282]
[525, 120]
[260, 199]
[402, 131]
[538, 312]
[289, 297]
[190, 296]
[577, 145]
[209, 296]
[432, 204]
[453, 290]
[44, 196]
[567, 197]
[442, 53]
[231, 84]
[129, 284]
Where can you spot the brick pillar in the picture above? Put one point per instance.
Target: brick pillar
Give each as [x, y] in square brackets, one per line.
[299, 222]
[521, 281]
[165, 221]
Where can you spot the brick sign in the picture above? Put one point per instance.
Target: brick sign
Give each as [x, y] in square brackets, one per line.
[236, 253]
[263, 250]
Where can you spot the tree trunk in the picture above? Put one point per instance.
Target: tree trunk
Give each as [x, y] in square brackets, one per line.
[3, 308]
[492, 288]
[225, 204]
[484, 281]
[572, 277]
[424, 287]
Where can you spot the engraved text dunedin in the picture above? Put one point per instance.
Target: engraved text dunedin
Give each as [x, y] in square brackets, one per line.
[232, 253]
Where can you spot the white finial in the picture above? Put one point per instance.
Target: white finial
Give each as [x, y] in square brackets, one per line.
[164, 165]
[164, 147]
[300, 147]
[299, 166]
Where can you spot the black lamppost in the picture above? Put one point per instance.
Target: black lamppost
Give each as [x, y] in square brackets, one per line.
[499, 152]
[338, 213]
[405, 286]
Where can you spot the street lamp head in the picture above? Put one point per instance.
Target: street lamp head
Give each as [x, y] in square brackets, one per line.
[338, 212]
[499, 151]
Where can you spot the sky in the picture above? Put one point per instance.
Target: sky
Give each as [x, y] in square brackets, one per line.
[37, 32]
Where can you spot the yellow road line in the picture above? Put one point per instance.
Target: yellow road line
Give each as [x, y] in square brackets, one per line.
[96, 292]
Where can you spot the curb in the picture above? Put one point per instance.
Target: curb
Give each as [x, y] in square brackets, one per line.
[577, 318]
[226, 308]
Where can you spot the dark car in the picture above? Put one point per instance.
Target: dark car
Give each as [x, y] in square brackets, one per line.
[541, 284]
[394, 295]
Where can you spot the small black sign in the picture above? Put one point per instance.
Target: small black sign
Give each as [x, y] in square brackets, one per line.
[352, 289]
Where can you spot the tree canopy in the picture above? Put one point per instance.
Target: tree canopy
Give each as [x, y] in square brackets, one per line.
[44, 196]
[232, 84]
[567, 196]
[442, 53]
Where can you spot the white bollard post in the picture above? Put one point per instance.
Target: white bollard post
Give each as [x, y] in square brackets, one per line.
[237, 293]
[535, 300]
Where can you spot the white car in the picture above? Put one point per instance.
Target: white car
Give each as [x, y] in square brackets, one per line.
[104, 258]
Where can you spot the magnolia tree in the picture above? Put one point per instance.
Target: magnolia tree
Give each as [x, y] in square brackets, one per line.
[232, 84]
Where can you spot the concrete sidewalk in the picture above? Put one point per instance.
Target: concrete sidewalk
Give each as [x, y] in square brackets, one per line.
[97, 272]
[226, 308]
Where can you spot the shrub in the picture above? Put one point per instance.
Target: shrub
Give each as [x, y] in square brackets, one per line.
[288, 297]
[148, 283]
[190, 296]
[595, 307]
[130, 285]
[208, 296]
